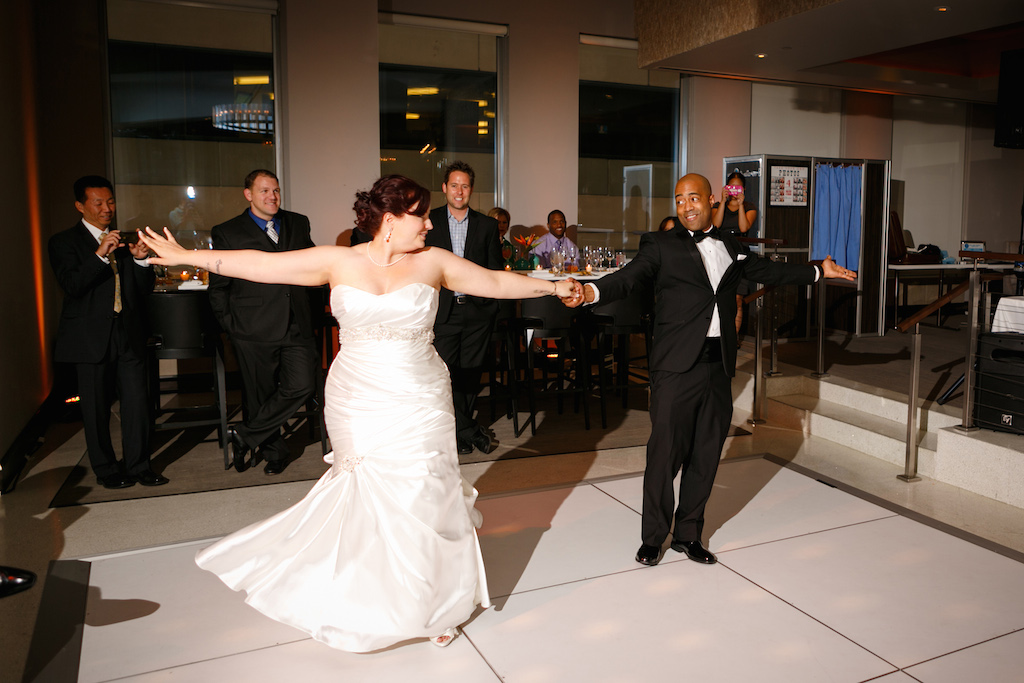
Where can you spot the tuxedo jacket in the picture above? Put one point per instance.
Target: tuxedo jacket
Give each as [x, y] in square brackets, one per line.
[87, 314]
[670, 264]
[254, 311]
[482, 248]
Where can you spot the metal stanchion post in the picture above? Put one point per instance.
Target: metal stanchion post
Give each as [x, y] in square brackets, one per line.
[773, 366]
[821, 374]
[974, 293]
[759, 378]
[910, 473]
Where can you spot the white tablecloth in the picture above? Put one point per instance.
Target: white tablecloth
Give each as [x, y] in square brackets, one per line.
[1009, 316]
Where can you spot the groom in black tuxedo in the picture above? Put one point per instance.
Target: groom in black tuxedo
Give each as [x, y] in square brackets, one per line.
[270, 326]
[694, 274]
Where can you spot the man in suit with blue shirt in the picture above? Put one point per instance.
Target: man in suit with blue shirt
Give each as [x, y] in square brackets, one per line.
[462, 329]
[270, 326]
[694, 274]
[103, 332]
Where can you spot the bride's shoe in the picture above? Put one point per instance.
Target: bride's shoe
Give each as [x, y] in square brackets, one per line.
[445, 639]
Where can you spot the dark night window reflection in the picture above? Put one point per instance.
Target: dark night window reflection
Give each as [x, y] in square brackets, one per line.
[445, 108]
[172, 93]
[627, 122]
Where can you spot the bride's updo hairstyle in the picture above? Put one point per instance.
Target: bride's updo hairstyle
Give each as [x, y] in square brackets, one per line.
[394, 194]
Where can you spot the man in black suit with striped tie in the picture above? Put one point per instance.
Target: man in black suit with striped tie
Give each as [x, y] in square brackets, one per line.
[270, 326]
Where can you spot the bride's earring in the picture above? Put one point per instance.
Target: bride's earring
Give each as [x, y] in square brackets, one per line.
[388, 238]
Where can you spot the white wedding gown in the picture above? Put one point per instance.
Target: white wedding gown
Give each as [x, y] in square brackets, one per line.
[383, 548]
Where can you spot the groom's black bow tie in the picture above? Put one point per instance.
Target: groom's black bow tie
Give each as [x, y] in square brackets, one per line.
[713, 232]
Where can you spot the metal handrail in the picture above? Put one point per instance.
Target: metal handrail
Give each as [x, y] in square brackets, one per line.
[914, 321]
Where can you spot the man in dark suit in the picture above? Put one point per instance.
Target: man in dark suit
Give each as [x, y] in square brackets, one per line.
[270, 326]
[694, 274]
[462, 330]
[103, 331]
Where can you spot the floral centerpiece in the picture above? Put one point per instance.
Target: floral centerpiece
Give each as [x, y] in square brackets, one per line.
[526, 260]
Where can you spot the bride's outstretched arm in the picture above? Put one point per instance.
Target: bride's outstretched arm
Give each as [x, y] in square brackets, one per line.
[460, 275]
[310, 267]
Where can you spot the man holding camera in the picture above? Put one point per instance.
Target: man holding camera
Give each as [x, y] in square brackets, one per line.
[102, 331]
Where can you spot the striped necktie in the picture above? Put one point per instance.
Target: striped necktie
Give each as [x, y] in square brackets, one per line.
[117, 277]
[272, 232]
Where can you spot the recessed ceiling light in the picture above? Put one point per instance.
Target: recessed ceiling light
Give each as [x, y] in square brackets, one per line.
[942, 8]
[760, 55]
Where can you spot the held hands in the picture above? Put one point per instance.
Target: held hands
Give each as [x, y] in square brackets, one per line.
[580, 295]
[568, 291]
[169, 252]
[829, 269]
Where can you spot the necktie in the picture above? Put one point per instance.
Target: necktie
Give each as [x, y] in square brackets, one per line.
[272, 232]
[713, 232]
[117, 277]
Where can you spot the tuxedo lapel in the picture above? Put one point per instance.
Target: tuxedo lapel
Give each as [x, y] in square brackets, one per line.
[690, 247]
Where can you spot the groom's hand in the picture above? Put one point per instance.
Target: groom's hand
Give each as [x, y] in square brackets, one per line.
[829, 269]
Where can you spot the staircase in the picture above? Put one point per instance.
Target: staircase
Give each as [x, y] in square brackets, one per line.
[874, 422]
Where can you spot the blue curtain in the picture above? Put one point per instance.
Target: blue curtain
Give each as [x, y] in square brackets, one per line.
[837, 215]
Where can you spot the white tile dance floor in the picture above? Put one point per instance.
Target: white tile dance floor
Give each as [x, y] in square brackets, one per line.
[813, 584]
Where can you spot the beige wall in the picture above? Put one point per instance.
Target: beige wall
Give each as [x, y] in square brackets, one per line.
[717, 124]
[995, 184]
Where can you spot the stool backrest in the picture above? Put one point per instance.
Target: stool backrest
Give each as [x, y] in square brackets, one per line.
[182, 323]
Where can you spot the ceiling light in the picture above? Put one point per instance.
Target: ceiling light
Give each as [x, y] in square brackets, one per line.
[760, 55]
[942, 8]
[421, 91]
[481, 131]
[482, 124]
[411, 116]
[482, 103]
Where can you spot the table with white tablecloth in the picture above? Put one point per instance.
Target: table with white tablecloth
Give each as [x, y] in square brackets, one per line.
[1009, 315]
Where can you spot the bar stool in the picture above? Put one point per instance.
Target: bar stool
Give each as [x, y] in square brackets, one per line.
[613, 324]
[182, 326]
[546, 318]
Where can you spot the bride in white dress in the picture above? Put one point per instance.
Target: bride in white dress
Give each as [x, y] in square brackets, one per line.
[383, 548]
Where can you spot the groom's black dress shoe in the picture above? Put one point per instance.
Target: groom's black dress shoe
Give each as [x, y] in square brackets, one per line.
[695, 551]
[237, 449]
[116, 481]
[465, 448]
[150, 478]
[649, 555]
[13, 580]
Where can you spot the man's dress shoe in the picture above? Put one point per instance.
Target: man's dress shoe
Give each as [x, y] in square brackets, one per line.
[648, 554]
[275, 466]
[13, 580]
[695, 551]
[237, 449]
[465, 448]
[116, 481]
[150, 478]
[483, 442]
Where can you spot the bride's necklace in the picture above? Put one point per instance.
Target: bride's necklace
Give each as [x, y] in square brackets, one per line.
[383, 265]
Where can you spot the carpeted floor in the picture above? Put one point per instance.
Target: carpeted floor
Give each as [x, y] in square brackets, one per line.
[193, 461]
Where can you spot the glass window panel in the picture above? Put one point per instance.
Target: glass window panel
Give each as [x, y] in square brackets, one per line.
[438, 105]
[190, 118]
[628, 143]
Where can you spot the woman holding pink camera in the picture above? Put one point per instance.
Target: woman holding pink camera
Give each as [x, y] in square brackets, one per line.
[733, 214]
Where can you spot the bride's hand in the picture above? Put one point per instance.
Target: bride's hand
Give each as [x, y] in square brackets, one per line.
[170, 253]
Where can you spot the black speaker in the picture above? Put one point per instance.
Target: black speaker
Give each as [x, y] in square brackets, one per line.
[1010, 106]
[999, 391]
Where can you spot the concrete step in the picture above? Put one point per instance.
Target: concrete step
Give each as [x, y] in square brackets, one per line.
[840, 422]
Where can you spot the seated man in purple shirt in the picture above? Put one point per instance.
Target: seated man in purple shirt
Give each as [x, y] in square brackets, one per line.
[556, 240]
